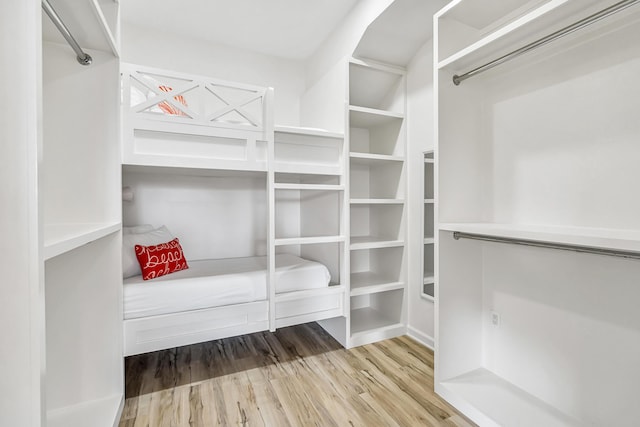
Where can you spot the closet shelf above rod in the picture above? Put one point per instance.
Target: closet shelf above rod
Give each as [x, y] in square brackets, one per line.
[82, 57]
[457, 79]
[549, 245]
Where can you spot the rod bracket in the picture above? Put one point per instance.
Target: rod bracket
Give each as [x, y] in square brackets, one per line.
[85, 59]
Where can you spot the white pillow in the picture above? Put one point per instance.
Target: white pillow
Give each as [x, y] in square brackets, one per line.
[137, 229]
[130, 265]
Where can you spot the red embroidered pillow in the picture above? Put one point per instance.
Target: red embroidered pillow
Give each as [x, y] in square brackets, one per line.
[158, 260]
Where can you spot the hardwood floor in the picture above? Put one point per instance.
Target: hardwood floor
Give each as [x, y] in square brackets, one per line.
[297, 376]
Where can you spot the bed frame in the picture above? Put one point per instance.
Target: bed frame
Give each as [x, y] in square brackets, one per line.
[177, 121]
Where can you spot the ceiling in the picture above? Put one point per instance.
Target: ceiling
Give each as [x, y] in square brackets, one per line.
[291, 29]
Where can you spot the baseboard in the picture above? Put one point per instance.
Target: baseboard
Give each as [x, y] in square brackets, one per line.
[421, 337]
[116, 421]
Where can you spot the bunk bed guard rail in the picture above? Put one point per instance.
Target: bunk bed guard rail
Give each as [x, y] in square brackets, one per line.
[194, 121]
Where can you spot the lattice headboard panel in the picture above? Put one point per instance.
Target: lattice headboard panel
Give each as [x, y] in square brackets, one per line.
[167, 115]
[156, 94]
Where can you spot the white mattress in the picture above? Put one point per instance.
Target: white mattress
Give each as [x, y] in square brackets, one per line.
[218, 282]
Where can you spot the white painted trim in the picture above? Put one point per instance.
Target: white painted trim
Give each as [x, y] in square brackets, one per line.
[421, 337]
[112, 38]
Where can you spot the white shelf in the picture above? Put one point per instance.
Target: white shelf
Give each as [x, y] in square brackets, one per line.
[431, 161]
[429, 201]
[427, 297]
[306, 168]
[428, 279]
[308, 132]
[61, 238]
[374, 242]
[624, 240]
[95, 413]
[502, 33]
[429, 240]
[363, 117]
[498, 402]
[377, 201]
[318, 187]
[367, 157]
[368, 282]
[367, 320]
[308, 240]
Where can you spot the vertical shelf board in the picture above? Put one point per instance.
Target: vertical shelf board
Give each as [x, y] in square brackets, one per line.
[21, 292]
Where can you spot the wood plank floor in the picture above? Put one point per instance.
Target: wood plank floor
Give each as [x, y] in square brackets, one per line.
[297, 376]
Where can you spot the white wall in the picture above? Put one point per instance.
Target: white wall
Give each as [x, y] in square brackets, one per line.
[344, 39]
[189, 55]
[420, 138]
[81, 137]
[21, 358]
[322, 104]
[214, 217]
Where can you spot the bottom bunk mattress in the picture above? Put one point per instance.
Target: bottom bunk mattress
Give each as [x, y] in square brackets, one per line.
[219, 282]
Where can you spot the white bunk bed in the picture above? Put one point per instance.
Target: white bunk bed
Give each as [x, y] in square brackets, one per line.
[186, 129]
[232, 291]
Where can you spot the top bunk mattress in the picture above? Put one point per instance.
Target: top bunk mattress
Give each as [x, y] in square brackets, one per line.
[218, 282]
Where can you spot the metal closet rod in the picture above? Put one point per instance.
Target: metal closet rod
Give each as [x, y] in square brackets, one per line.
[82, 57]
[457, 79]
[561, 246]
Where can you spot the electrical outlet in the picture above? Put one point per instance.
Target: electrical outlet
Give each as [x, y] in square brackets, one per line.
[495, 318]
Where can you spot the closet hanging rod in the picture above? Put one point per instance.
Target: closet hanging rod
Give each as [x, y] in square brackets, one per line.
[457, 79]
[560, 246]
[82, 57]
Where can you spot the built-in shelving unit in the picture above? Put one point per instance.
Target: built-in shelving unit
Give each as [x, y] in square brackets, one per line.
[531, 273]
[80, 198]
[428, 211]
[377, 153]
